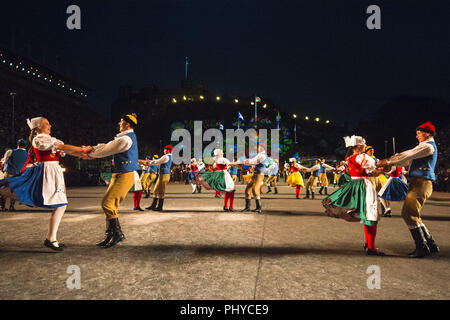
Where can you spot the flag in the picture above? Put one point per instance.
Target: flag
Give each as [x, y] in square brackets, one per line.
[240, 116]
[257, 99]
[278, 120]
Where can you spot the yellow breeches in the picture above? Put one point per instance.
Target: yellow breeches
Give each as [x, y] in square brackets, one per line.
[254, 185]
[273, 180]
[311, 183]
[324, 179]
[419, 190]
[117, 190]
[160, 187]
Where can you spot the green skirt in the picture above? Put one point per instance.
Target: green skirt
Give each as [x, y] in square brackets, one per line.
[350, 202]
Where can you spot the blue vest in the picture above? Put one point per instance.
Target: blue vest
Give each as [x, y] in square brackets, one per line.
[322, 169]
[16, 161]
[261, 167]
[317, 172]
[233, 170]
[165, 167]
[424, 167]
[127, 161]
[153, 169]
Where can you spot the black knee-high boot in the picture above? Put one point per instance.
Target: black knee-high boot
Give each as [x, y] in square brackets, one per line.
[430, 241]
[108, 234]
[422, 249]
[307, 194]
[258, 206]
[153, 205]
[247, 205]
[320, 191]
[326, 192]
[160, 205]
[117, 235]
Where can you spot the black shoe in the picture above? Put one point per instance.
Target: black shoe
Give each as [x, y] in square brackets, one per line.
[160, 205]
[307, 195]
[108, 234]
[326, 191]
[11, 209]
[50, 244]
[247, 206]
[320, 191]
[276, 191]
[312, 195]
[226, 209]
[230, 210]
[138, 208]
[430, 242]
[117, 234]
[269, 191]
[258, 206]
[195, 191]
[387, 214]
[422, 249]
[152, 207]
[371, 252]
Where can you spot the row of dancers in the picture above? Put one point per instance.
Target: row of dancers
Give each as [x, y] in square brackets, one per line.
[40, 182]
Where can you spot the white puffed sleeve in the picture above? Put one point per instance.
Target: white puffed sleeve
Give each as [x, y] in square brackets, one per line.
[45, 142]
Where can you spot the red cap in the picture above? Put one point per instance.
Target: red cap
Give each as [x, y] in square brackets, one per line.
[427, 127]
[169, 146]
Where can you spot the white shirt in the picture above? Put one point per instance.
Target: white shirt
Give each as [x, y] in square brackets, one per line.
[121, 143]
[317, 167]
[44, 142]
[260, 157]
[404, 158]
[164, 159]
[369, 165]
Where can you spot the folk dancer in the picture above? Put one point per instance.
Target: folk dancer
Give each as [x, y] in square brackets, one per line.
[421, 162]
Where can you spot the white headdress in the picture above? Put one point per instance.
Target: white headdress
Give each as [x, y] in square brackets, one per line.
[34, 123]
[353, 141]
[218, 152]
[292, 159]
[193, 160]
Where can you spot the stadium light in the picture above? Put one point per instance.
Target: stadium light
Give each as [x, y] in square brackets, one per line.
[252, 103]
[265, 105]
[317, 119]
[236, 100]
[294, 115]
[328, 121]
[174, 100]
[306, 118]
[217, 98]
[202, 97]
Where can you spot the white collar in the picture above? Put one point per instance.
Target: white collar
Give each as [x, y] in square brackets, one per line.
[124, 133]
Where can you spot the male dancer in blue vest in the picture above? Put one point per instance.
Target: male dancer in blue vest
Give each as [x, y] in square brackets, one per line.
[124, 149]
[421, 161]
[14, 162]
[165, 164]
[253, 188]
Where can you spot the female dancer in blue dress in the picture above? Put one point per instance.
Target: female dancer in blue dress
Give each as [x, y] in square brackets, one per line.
[42, 182]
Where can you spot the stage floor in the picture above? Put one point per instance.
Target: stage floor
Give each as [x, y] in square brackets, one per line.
[195, 250]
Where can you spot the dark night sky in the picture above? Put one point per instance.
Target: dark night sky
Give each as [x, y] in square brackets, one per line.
[313, 57]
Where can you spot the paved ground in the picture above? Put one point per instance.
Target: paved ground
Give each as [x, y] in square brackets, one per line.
[194, 250]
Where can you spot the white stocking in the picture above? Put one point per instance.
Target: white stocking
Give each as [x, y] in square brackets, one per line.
[55, 220]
